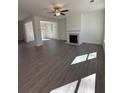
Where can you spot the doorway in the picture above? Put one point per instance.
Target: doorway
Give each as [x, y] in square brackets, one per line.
[29, 34]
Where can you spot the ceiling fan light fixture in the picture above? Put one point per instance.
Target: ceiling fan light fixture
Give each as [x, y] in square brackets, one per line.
[57, 12]
[91, 1]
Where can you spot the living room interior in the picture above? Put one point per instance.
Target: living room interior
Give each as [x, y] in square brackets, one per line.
[61, 46]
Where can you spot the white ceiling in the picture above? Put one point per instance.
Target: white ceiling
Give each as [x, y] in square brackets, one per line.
[28, 8]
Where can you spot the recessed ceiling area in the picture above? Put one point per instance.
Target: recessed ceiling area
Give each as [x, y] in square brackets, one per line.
[27, 8]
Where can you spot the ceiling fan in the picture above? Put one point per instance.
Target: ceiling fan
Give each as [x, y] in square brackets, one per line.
[57, 11]
[91, 1]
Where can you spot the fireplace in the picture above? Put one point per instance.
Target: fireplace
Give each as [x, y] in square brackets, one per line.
[73, 39]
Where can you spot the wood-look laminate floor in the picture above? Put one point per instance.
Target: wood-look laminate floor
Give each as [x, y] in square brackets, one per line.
[42, 69]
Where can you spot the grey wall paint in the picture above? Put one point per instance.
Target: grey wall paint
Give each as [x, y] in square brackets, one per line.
[74, 22]
[92, 26]
[62, 29]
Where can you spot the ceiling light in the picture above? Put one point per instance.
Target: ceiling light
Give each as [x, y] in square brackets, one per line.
[91, 1]
[57, 12]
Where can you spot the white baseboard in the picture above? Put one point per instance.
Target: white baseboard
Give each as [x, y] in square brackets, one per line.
[72, 44]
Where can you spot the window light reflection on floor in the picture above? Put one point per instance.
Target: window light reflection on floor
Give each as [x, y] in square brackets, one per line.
[68, 88]
[92, 55]
[79, 59]
[84, 57]
[87, 84]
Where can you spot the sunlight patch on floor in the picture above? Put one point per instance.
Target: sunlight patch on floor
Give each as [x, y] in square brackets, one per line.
[79, 59]
[68, 88]
[87, 84]
[92, 55]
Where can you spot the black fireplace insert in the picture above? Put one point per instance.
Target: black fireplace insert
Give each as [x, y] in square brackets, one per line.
[73, 38]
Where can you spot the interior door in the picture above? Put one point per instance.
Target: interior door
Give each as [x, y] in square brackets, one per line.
[29, 34]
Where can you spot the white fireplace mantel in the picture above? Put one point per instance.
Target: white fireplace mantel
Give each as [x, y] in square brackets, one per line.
[73, 32]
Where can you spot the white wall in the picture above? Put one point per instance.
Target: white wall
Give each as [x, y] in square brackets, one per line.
[74, 22]
[92, 26]
[74, 26]
[62, 29]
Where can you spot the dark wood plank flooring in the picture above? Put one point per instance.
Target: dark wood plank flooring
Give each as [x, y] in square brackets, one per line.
[44, 68]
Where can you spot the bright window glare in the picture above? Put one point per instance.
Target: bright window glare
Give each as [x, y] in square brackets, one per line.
[87, 85]
[92, 55]
[79, 59]
[45, 39]
[68, 88]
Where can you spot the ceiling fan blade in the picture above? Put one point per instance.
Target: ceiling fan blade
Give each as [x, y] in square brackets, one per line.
[64, 10]
[62, 14]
